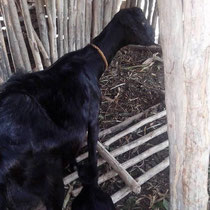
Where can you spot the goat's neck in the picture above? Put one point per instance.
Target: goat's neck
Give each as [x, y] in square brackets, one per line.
[110, 40]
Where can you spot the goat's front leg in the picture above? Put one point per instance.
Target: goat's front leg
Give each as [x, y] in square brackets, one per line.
[88, 174]
[92, 144]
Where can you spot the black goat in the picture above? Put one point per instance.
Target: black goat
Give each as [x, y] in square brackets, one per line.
[44, 117]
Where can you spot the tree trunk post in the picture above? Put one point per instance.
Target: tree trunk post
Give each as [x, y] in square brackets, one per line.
[185, 38]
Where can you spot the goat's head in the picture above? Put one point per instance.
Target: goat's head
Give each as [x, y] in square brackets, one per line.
[136, 28]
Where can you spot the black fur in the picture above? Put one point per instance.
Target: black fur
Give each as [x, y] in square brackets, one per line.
[44, 117]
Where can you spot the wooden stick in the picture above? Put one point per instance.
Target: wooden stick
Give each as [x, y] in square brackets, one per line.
[125, 176]
[72, 24]
[3, 72]
[129, 163]
[155, 17]
[19, 35]
[13, 43]
[59, 4]
[128, 3]
[42, 23]
[134, 127]
[96, 18]
[30, 34]
[151, 3]
[88, 22]
[133, 3]
[42, 50]
[51, 13]
[68, 195]
[65, 27]
[145, 7]
[116, 6]
[80, 24]
[8, 73]
[107, 12]
[141, 180]
[139, 3]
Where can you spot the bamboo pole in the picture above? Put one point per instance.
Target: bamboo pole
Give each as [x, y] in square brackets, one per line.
[88, 22]
[51, 13]
[96, 18]
[30, 34]
[13, 42]
[72, 24]
[19, 35]
[139, 3]
[145, 8]
[133, 3]
[155, 17]
[116, 6]
[46, 58]
[42, 23]
[141, 180]
[4, 55]
[80, 24]
[150, 7]
[3, 68]
[65, 27]
[107, 12]
[60, 4]
[128, 4]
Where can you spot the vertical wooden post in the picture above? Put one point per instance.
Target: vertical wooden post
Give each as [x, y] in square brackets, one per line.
[4, 54]
[30, 34]
[116, 6]
[185, 38]
[60, 4]
[150, 7]
[51, 13]
[42, 23]
[88, 21]
[13, 42]
[97, 4]
[19, 35]
[80, 24]
[107, 11]
[72, 24]
[65, 26]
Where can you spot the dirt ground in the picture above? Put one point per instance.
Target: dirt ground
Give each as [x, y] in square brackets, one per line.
[133, 83]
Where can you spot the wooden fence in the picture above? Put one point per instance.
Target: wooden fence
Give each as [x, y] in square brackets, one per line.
[35, 33]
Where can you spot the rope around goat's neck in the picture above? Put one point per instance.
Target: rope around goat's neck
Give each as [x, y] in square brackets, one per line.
[101, 54]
